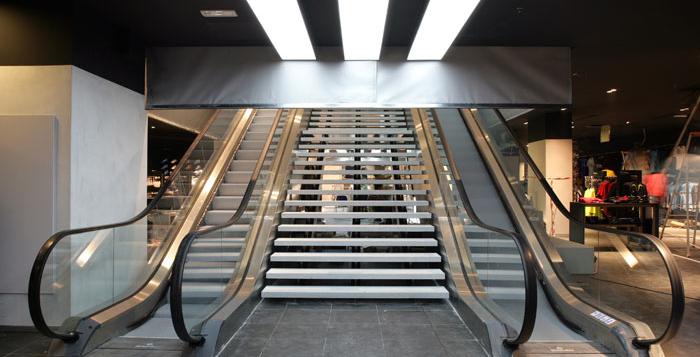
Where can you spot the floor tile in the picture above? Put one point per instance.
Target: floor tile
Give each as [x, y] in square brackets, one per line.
[354, 316]
[368, 331]
[294, 347]
[300, 331]
[349, 346]
[404, 317]
[245, 347]
[443, 317]
[306, 316]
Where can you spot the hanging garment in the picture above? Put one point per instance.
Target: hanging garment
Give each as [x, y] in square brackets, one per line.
[635, 160]
[591, 211]
[604, 190]
[656, 184]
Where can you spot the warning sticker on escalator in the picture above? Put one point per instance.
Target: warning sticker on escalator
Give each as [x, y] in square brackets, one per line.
[603, 317]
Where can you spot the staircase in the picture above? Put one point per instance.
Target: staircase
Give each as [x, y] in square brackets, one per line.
[356, 222]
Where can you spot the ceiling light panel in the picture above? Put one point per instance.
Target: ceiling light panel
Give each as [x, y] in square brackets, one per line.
[362, 27]
[441, 24]
[285, 28]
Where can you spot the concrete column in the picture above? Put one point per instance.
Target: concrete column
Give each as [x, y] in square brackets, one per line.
[550, 146]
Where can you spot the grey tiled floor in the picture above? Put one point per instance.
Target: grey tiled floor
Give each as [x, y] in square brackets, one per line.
[326, 328]
[28, 344]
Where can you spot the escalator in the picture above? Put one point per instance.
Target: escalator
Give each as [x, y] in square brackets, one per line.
[410, 212]
[92, 285]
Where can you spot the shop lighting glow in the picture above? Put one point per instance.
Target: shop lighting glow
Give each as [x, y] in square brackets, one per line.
[284, 26]
[442, 22]
[611, 90]
[362, 27]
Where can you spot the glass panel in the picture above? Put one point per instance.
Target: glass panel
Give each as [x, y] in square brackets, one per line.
[496, 258]
[90, 271]
[620, 274]
[214, 258]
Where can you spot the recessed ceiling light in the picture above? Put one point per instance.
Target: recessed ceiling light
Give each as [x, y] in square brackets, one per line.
[153, 127]
[563, 109]
[627, 122]
[572, 127]
[685, 109]
[362, 27]
[611, 90]
[680, 116]
[525, 123]
[441, 23]
[218, 13]
[284, 26]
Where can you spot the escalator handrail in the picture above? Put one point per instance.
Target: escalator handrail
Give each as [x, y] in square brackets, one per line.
[677, 290]
[34, 290]
[176, 279]
[524, 248]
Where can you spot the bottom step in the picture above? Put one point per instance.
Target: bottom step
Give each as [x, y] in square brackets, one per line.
[355, 292]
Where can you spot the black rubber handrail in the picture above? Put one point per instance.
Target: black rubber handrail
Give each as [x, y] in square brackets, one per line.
[176, 311]
[524, 248]
[677, 290]
[35, 277]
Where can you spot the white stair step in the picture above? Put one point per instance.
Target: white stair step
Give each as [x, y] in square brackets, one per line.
[355, 292]
[357, 163]
[351, 139]
[358, 181]
[355, 228]
[353, 131]
[313, 203]
[360, 112]
[315, 118]
[496, 258]
[356, 257]
[357, 192]
[330, 124]
[501, 275]
[357, 146]
[356, 215]
[356, 242]
[358, 154]
[213, 243]
[356, 274]
[505, 293]
[357, 172]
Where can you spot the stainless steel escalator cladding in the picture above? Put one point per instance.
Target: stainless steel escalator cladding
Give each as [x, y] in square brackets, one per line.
[90, 284]
[628, 277]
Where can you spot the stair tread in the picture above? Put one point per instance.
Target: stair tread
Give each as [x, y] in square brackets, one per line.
[376, 274]
[345, 257]
[361, 242]
[392, 215]
[354, 203]
[356, 227]
[393, 292]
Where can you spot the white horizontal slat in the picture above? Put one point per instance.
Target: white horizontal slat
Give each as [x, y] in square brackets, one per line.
[356, 215]
[356, 242]
[357, 154]
[356, 274]
[358, 181]
[353, 131]
[357, 172]
[313, 203]
[358, 163]
[356, 257]
[357, 192]
[355, 228]
[355, 292]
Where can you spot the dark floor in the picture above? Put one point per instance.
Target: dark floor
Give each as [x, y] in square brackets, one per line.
[366, 329]
[22, 343]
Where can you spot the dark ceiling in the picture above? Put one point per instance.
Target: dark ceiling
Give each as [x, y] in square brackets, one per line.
[649, 50]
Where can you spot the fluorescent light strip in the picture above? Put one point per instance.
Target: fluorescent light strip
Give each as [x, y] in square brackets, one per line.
[285, 28]
[442, 22]
[362, 27]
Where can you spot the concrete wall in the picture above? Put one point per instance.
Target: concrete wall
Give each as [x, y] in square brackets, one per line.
[108, 184]
[100, 165]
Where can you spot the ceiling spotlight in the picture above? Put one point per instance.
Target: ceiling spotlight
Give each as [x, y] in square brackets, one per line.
[563, 109]
[285, 27]
[525, 123]
[611, 90]
[572, 127]
[219, 13]
[685, 109]
[627, 122]
[153, 127]
[680, 116]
